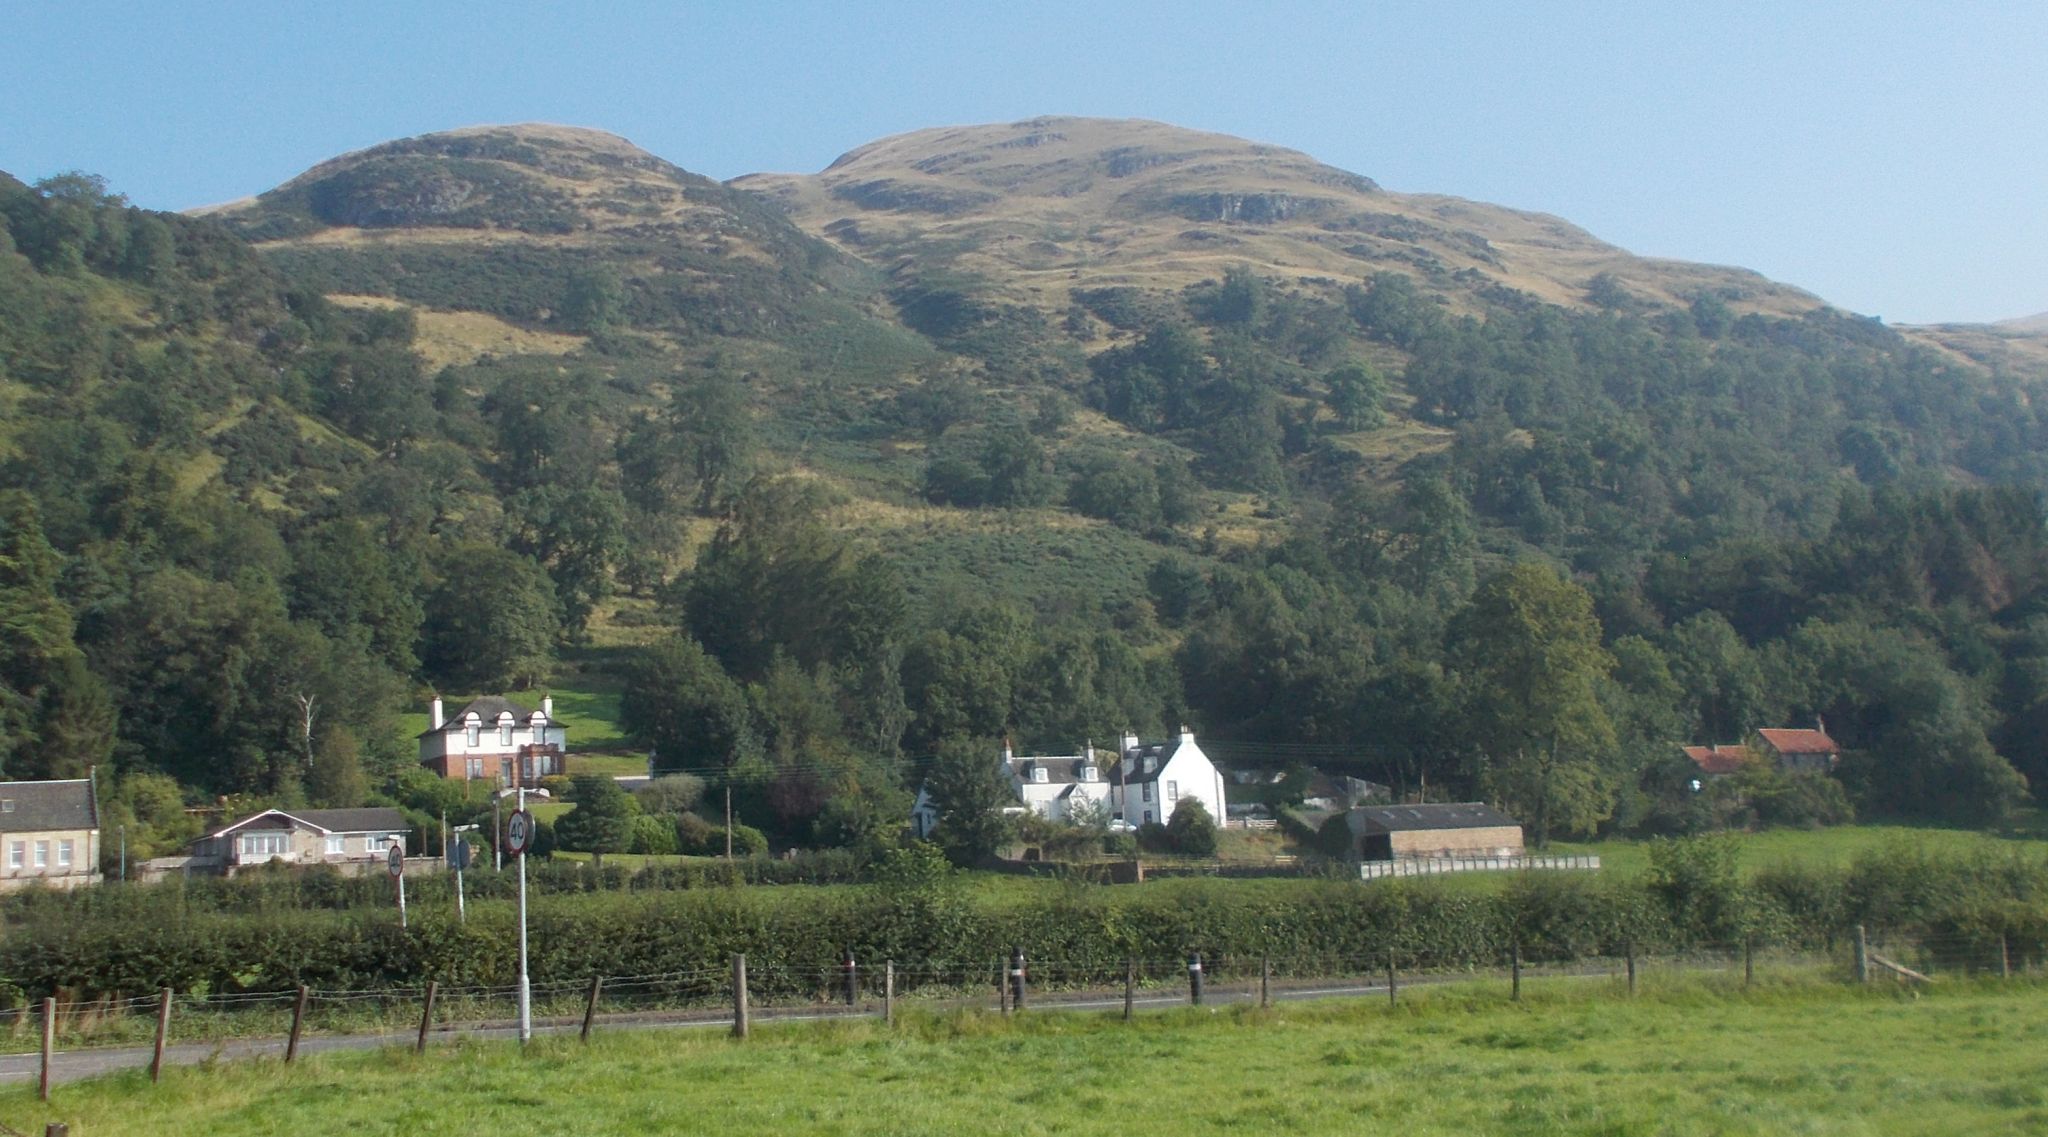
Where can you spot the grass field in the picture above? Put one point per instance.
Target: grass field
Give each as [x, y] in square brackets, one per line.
[1691, 1056]
[1838, 846]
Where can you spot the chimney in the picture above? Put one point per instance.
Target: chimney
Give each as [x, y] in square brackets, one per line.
[1820, 724]
[435, 714]
[547, 706]
[1186, 735]
[1130, 742]
[1006, 749]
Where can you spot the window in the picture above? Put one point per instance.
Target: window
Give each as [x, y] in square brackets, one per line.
[15, 852]
[6, 805]
[374, 843]
[42, 854]
[474, 768]
[1146, 789]
[1088, 774]
[1148, 817]
[1037, 773]
[505, 731]
[261, 845]
[1173, 791]
[63, 854]
[336, 845]
[476, 734]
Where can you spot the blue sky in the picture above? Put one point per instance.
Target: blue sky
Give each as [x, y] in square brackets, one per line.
[1892, 158]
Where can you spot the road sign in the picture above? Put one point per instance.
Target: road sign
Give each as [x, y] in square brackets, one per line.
[396, 859]
[518, 832]
[459, 854]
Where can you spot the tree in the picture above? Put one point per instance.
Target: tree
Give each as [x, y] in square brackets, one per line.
[491, 620]
[1357, 395]
[680, 704]
[602, 821]
[970, 793]
[1528, 655]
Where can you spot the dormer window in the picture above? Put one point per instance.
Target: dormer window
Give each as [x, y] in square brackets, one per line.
[475, 733]
[1088, 774]
[505, 730]
[1037, 773]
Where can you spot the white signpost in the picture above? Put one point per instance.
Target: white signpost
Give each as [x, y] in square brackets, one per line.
[518, 838]
[459, 854]
[395, 859]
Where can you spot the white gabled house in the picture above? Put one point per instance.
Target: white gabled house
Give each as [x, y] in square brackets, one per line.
[1151, 779]
[494, 739]
[1140, 782]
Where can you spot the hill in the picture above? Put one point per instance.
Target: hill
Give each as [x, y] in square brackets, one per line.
[1051, 429]
[1044, 208]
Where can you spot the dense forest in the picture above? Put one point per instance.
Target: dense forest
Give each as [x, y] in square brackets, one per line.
[244, 526]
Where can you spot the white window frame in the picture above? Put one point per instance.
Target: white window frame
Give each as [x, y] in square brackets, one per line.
[265, 844]
[374, 843]
[17, 853]
[504, 732]
[42, 854]
[1146, 789]
[473, 768]
[64, 850]
[1173, 791]
[337, 845]
[474, 736]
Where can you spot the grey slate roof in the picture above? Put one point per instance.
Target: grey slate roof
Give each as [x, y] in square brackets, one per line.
[1448, 815]
[1057, 770]
[32, 807]
[377, 819]
[487, 708]
[1130, 769]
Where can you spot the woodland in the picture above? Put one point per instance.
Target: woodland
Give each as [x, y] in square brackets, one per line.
[834, 529]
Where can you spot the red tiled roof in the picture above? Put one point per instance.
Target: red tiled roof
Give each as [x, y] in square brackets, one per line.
[1799, 741]
[1716, 759]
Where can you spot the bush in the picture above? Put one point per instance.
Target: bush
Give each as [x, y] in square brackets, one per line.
[652, 835]
[560, 787]
[1191, 831]
[670, 793]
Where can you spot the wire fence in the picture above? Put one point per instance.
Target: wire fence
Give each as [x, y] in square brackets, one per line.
[709, 994]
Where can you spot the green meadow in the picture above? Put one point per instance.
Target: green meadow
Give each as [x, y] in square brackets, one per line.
[1688, 1056]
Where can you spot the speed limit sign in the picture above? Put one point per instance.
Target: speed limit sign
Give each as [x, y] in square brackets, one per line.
[519, 832]
[395, 859]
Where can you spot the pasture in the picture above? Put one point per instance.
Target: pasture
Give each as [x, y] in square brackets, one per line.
[1690, 1056]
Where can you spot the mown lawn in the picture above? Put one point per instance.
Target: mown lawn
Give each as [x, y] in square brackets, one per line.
[1691, 1057]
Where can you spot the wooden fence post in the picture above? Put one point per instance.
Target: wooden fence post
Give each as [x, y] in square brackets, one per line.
[889, 991]
[590, 1006]
[1130, 985]
[1515, 966]
[739, 996]
[291, 1046]
[2004, 957]
[163, 1030]
[49, 1045]
[426, 1017]
[1393, 983]
[1862, 955]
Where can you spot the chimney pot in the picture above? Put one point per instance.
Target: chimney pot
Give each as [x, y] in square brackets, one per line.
[547, 706]
[438, 719]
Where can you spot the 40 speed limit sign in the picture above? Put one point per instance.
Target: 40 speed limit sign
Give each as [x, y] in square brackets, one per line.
[519, 832]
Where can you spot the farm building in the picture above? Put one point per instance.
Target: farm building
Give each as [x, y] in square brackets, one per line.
[1438, 830]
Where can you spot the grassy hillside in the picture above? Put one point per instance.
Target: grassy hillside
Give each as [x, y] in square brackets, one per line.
[1687, 1058]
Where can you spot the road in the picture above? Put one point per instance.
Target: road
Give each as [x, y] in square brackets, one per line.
[71, 1065]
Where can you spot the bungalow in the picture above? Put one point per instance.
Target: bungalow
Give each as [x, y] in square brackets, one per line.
[52, 834]
[1438, 830]
[495, 739]
[354, 840]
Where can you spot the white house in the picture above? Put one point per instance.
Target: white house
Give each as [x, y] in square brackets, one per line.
[495, 739]
[1141, 782]
[1151, 779]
